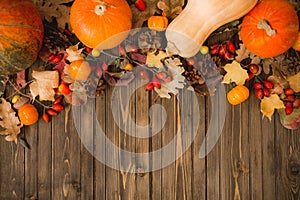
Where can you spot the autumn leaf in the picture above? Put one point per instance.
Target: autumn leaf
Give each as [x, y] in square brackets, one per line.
[155, 59]
[44, 83]
[269, 104]
[294, 82]
[175, 70]
[74, 53]
[20, 80]
[55, 8]
[235, 73]
[242, 53]
[9, 122]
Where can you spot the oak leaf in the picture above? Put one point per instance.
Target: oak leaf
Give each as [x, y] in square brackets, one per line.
[235, 73]
[269, 104]
[242, 53]
[44, 84]
[9, 122]
[175, 70]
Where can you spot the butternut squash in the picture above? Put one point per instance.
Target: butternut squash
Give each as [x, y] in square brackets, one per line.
[189, 30]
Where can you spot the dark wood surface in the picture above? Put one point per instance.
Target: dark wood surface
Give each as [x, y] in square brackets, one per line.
[253, 159]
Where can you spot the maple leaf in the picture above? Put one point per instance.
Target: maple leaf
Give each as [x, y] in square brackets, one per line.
[175, 70]
[294, 82]
[269, 104]
[74, 53]
[242, 53]
[9, 122]
[235, 73]
[154, 59]
[44, 83]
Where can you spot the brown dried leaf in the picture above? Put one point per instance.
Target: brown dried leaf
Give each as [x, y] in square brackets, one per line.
[9, 121]
[55, 8]
[242, 53]
[175, 70]
[44, 84]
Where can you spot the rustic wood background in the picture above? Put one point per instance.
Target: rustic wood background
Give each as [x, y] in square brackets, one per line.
[253, 159]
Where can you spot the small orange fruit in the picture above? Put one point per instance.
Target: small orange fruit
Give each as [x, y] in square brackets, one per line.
[28, 114]
[79, 70]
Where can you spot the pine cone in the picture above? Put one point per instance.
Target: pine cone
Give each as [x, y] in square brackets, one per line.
[290, 66]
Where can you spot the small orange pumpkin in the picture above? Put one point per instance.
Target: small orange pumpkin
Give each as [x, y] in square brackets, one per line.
[296, 46]
[28, 114]
[158, 23]
[270, 28]
[95, 21]
[238, 94]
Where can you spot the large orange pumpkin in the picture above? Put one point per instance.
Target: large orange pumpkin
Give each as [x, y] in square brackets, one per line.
[270, 28]
[21, 35]
[96, 21]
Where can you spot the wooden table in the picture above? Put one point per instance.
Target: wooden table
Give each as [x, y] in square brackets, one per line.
[253, 159]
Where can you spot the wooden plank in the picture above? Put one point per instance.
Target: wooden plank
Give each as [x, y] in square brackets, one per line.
[113, 179]
[168, 133]
[127, 139]
[268, 159]
[31, 168]
[213, 161]
[229, 143]
[287, 162]
[87, 147]
[185, 135]
[142, 145]
[65, 158]
[199, 165]
[255, 141]
[156, 143]
[244, 149]
[99, 168]
[44, 160]
[11, 170]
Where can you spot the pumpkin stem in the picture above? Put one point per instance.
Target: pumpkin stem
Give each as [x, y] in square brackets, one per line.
[100, 9]
[263, 24]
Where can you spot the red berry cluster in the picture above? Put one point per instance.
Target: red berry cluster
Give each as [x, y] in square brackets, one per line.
[262, 89]
[55, 58]
[290, 100]
[156, 79]
[253, 69]
[225, 50]
[54, 110]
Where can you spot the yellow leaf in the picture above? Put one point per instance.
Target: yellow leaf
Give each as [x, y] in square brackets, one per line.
[294, 82]
[269, 104]
[155, 60]
[235, 73]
